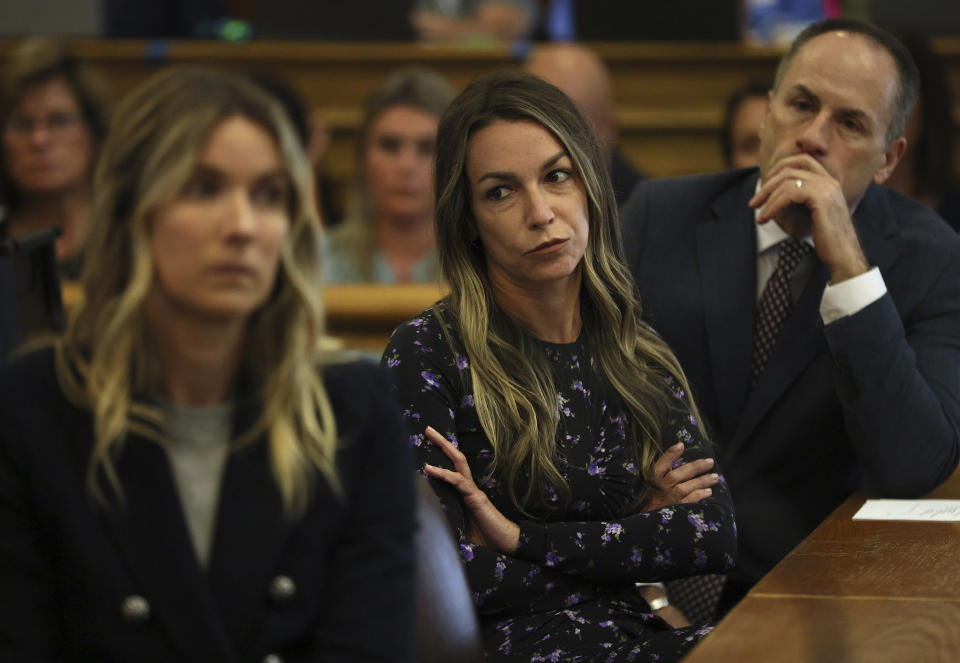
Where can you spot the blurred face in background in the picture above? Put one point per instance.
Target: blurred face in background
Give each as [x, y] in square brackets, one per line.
[47, 145]
[398, 162]
[745, 131]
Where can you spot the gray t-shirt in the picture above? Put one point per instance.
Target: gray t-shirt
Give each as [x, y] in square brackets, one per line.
[198, 443]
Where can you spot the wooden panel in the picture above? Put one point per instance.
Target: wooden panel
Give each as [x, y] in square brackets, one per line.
[668, 97]
[378, 304]
[670, 152]
[364, 316]
[361, 317]
[841, 630]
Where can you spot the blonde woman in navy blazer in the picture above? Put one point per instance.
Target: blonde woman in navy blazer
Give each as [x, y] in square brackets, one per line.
[291, 541]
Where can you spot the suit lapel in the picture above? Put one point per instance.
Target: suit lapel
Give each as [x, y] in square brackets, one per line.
[251, 532]
[214, 615]
[876, 224]
[726, 246]
[802, 337]
[152, 535]
[799, 342]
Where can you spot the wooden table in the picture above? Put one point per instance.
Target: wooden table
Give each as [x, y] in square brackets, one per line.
[853, 591]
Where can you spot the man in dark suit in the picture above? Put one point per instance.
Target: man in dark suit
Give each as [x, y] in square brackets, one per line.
[823, 365]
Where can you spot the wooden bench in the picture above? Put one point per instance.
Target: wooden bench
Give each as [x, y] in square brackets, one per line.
[361, 316]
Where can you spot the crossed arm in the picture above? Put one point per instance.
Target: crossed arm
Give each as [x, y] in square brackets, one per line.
[686, 529]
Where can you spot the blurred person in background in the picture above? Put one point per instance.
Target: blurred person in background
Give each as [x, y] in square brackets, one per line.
[742, 118]
[927, 171]
[387, 235]
[54, 115]
[452, 20]
[583, 77]
[314, 135]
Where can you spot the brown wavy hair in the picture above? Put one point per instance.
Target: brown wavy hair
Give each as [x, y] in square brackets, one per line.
[513, 388]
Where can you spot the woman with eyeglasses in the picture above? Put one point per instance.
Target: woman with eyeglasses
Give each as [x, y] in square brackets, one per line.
[54, 116]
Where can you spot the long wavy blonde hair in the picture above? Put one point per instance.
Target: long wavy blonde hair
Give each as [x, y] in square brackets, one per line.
[106, 362]
[513, 389]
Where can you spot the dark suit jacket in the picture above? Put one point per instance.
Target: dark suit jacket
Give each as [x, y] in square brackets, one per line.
[68, 566]
[871, 401]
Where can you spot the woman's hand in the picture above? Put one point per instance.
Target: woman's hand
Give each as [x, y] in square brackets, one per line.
[687, 482]
[486, 526]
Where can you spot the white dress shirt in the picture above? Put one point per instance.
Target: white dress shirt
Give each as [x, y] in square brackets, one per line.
[839, 299]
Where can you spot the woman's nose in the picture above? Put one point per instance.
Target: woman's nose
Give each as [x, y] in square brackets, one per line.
[240, 216]
[540, 211]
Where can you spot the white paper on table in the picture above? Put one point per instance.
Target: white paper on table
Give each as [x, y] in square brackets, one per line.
[928, 510]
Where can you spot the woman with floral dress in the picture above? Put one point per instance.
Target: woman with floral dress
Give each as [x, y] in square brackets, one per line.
[542, 407]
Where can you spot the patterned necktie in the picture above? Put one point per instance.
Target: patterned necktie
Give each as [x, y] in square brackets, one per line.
[698, 596]
[775, 303]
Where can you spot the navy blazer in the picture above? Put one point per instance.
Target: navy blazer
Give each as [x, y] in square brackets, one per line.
[871, 401]
[81, 582]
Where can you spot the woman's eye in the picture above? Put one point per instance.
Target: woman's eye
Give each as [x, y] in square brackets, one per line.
[558, 175]
[426, 148]
[389, 144]
[496, 193]
[200, 187]
[270, 195]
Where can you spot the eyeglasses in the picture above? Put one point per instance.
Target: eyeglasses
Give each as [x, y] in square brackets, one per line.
[21, 125]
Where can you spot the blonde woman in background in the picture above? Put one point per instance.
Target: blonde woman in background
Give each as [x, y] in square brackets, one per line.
[185, 476]
[387, 236]
[54, 114]
[557, 428]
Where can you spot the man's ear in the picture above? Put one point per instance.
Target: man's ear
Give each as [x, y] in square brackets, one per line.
[891, 157]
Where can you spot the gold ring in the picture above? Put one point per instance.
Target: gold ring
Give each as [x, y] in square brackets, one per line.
[799, 184]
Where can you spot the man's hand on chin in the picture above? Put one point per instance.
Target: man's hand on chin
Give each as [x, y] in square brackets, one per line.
[804, 199]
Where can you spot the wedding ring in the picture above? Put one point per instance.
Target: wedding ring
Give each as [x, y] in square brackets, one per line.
[799, 184]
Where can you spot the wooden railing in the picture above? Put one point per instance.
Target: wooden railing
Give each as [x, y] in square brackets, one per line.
[365, 315]
[360, 316]
[668, 97]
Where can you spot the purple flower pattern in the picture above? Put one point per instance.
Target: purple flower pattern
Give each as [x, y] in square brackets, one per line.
[565, 594]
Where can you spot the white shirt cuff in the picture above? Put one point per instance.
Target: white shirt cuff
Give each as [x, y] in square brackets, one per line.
[848, 297]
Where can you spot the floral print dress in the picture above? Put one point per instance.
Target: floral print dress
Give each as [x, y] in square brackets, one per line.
[567, 593]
